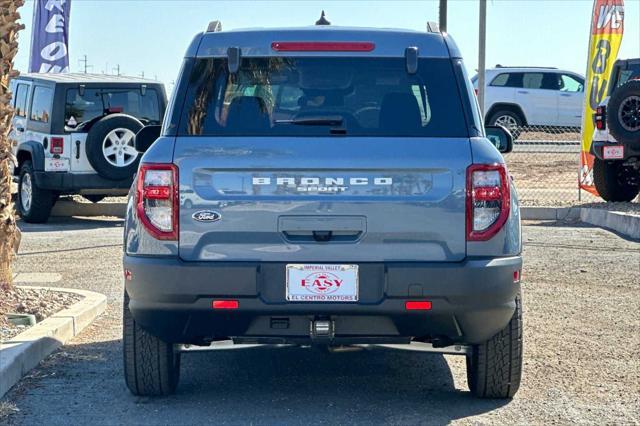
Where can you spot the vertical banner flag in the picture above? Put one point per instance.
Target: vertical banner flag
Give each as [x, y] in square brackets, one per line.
[607, 26]
[50, 40]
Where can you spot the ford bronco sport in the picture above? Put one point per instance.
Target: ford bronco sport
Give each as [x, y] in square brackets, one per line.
[347, 193]
[616, 138]
[74, 134]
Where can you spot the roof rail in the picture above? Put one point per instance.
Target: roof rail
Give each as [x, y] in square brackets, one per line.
[433, 27]
[214, 27]
[527, 66]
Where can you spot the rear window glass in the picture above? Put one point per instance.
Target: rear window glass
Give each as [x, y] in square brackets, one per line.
[633, 73]
[95, 102]
[323, 96]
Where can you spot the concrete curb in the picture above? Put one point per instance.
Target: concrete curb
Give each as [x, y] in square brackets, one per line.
[71, 208]
[549, 213]
[623, 223]
[26, 350]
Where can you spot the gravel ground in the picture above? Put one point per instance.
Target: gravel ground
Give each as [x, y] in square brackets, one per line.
[582, 316]
[39, 302]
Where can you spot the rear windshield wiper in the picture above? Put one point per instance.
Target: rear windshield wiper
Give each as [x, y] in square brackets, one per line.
[313, 121]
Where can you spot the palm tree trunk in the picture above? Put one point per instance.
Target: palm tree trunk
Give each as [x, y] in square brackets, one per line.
[9, 232]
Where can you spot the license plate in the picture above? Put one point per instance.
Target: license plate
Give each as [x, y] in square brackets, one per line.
[322, 283]
[613, 152]
[56, 165]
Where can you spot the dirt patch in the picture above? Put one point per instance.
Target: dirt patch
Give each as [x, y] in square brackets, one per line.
[39, 302]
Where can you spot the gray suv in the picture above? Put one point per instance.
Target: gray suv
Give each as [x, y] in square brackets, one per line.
[346, 193]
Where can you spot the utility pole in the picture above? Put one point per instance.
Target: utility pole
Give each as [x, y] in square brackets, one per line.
[482, 45]
[85, 63]
[142, 74]
[442, 22]
[117, 69]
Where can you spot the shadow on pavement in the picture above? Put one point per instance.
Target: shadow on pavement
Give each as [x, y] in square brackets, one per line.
[84, 384]
[70, 224]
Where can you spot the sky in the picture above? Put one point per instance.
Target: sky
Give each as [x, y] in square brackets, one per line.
[151, 36]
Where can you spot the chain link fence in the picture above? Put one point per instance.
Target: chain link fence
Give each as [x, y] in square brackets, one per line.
[545, 165]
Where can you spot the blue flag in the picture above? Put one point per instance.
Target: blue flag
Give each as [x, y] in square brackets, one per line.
[50, 41]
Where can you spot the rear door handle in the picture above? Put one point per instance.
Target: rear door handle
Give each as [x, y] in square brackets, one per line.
[523, 92]
[565, 95]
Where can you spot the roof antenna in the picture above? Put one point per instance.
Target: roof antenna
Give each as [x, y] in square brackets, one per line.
[322, 20]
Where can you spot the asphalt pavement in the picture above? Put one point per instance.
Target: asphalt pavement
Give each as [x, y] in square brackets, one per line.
[580, 365]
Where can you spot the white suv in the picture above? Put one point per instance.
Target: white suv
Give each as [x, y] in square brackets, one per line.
[532, 96]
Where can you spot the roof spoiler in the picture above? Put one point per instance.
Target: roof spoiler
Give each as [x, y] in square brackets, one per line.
[214, 27]
[433, 27]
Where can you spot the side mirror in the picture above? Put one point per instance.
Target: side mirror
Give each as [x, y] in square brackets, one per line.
[500, 137]
[146, 137]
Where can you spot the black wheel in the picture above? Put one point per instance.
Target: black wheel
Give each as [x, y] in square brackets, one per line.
[151, 366]
[511, 120]
[614, 181]
[494, 368]
[623, 114]
[94, 198]
[111, 146]
[33, 203]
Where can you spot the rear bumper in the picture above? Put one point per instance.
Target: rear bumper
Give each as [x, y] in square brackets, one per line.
[471, 301]
[597, 147]
[71, 183]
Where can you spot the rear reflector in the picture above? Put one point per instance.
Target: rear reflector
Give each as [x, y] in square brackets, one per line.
[424, 305]
[516, 276]
[322, 46]
[157, 192]
[225, 304]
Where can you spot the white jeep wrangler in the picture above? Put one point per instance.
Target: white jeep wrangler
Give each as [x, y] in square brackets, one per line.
[74, 134]
[616, 139]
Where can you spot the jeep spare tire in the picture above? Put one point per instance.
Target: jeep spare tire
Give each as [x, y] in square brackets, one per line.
[111, 148]
[623, 114]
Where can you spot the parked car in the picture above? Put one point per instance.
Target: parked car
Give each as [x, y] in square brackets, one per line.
[399, 222]
[616, 138]
[74, 134]
[532, 96]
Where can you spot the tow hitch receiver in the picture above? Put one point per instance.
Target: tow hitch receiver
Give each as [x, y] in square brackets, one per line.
[322, 329]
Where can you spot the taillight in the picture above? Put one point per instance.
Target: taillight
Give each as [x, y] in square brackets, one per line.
[488, 200]
[601, 117]
[157, 191]
[56, 146]
[322, 46]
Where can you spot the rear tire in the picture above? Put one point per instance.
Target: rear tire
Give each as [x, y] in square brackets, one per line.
[608, 177]
[623, 114]
[34, 204]
[151, 366]
[494, 368]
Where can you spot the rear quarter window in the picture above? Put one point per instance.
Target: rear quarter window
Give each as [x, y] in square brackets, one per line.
[96, 102]
[303, 96]
[41, 104]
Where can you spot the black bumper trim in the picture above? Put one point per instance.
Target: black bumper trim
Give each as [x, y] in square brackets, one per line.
[597, 147]
[472, 300]
[72, 183]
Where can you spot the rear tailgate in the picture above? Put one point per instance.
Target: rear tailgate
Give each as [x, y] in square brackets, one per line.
[342, 199]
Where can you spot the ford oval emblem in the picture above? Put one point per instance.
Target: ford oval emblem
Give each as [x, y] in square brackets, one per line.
[206, 216]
